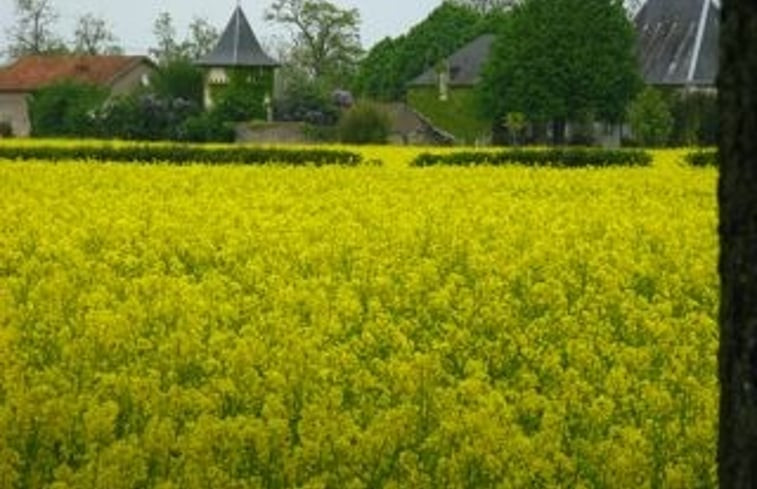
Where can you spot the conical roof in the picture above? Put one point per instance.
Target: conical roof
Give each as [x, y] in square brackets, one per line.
[238, 46]
[678, 41]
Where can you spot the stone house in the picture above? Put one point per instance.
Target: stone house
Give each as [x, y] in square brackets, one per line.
[445, 95]
[19, 80]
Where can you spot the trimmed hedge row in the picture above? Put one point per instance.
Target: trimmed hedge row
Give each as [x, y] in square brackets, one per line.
[708, 157]
[557, 157]
[182, 154]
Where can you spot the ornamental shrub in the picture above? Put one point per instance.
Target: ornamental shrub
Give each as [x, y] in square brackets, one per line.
[650, 118]
[145, 116]
[206, 127]
[365, 123]
[179, 154]
[703, 158]
[65, 108]
[695, 118]
[6, 129]
[555, 157]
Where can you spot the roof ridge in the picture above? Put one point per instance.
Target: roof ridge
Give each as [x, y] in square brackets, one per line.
[698, 42]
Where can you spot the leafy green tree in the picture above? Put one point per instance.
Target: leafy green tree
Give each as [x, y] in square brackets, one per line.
[485, 6]
[178, 79]
[326, 37]
[557, 59]
[378, 76]
[392, 63]
[66, 109]
[695, 118]
[650, 118]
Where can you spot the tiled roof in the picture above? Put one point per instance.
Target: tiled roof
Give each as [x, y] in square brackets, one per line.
[465, 64]
[32, 72]
[238, 46]
[678, 41]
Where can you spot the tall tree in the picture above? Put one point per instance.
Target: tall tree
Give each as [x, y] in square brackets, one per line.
[486, 6]
[737, 195]
[557, 60]
[326, 37]
[33, 31]
[167, 48]
[201, 39]
[93, 36]
[392, 63]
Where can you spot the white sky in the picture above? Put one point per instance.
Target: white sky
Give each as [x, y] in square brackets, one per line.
[132, 20]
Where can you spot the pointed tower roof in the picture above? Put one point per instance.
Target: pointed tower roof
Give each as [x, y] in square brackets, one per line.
[238, 46]
[678, 41]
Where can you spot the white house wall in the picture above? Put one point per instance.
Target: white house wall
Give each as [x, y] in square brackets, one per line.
[13, 109]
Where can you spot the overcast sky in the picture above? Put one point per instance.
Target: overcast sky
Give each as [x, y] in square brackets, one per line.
[131, 20]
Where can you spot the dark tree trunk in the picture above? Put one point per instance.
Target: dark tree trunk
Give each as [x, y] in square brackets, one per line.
[558, 132]
[737, 194]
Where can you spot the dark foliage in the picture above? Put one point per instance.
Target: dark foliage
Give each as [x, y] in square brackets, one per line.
[205, 127]
[307, 101]
[6, 129]
[703, 158]
[557, 157]
[145, 116]
[178, 79]
[392, 63]
[66, 109]
[695, 118]
[365, 123]
[181, 154]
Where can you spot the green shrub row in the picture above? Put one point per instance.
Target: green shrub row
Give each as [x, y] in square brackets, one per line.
[557, 157]
[181, 154]
[708, 157]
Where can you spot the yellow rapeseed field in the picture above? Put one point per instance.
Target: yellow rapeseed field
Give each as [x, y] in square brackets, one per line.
[371, 327]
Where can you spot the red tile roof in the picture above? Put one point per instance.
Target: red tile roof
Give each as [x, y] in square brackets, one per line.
[32, 72]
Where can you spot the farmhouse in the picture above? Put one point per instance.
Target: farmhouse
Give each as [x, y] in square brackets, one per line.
[239, 63]
[677, 49]
[119, 74]
[445, 93]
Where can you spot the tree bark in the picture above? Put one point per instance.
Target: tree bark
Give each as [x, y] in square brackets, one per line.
[737, 195]
[558, 132]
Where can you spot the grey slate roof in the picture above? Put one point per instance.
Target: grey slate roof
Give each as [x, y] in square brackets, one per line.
[465, 65]
[678, 41]
[238, 46]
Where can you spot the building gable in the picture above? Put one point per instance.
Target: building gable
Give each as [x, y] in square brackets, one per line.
[33, 72]
[678, 42]
[464, 66]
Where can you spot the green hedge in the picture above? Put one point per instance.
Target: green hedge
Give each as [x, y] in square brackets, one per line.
[557, 157]
[709, 157]
[181, 154]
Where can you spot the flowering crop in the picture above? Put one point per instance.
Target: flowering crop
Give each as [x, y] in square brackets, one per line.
[362, 327]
